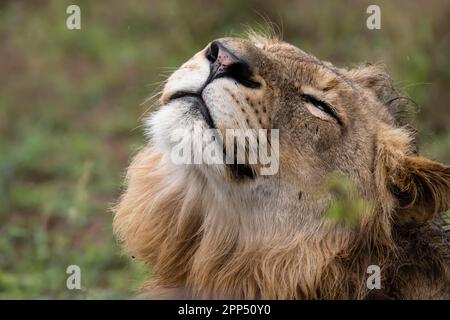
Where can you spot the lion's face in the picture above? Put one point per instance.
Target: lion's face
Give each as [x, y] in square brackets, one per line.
[327, 120]
[228, 230]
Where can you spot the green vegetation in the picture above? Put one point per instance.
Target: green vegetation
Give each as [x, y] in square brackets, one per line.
[71, 113]
[347, 207]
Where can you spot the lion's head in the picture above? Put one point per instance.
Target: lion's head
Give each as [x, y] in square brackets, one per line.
[226, 230]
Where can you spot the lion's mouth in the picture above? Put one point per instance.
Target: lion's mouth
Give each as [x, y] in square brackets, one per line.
[195, 99]
[197, 103]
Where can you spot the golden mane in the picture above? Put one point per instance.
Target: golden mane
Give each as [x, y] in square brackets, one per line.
[171, 220]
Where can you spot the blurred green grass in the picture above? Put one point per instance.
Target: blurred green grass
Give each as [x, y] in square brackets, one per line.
[70, 111]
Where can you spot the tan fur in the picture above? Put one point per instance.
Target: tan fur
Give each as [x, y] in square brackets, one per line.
[162, 224]
[198, 244]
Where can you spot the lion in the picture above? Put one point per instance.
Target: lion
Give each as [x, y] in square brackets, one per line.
[214, 231]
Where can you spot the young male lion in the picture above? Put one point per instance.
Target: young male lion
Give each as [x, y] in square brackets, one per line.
[227, 231]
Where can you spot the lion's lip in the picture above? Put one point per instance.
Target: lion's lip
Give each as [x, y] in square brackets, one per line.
[197, 102]
[183, 94]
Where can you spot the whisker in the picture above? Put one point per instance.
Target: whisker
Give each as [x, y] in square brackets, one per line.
[152, 97]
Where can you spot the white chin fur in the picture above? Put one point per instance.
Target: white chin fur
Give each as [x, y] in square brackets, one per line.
[163, 128]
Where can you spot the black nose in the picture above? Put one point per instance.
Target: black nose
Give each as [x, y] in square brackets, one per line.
[218, 54]
[222, 60]
[226, 64]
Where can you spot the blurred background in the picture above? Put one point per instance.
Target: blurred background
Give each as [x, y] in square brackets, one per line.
[71, 111]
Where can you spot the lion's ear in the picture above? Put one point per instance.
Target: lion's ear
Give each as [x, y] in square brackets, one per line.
[420, 187]
[374, 78]
[377, 80]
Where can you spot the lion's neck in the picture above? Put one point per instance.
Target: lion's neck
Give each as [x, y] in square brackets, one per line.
[195, 239]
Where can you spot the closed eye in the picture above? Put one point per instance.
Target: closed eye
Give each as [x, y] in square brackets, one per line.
[322, 106]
